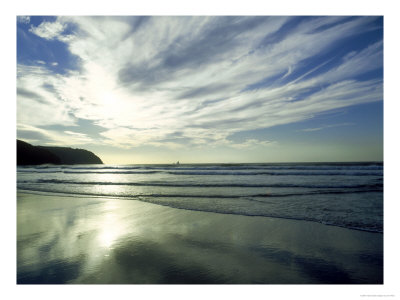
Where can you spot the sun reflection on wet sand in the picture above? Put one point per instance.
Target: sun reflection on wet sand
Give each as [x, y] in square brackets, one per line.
[93, 240]
[110, 227]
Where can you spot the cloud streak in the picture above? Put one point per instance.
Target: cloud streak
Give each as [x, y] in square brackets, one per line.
[145, 79]
[23, 19]
[325, 126]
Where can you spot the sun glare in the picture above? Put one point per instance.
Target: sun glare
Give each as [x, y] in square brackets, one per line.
[107, 98]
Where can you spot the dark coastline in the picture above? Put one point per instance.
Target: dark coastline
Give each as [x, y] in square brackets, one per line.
[28, 154]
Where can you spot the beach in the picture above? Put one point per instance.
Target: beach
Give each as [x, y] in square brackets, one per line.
[99, 240]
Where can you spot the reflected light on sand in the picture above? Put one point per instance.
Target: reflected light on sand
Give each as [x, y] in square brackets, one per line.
[104, 240]
[107, 237]
[109, 226]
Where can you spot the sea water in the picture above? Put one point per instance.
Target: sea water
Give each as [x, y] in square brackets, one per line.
[341, 194]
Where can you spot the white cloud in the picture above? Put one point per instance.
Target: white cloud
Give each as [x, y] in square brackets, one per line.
[326, 126]
[36, 135]
[48, 30]
[38, 100]
[23, 19]
[145, 79]
[251, 143]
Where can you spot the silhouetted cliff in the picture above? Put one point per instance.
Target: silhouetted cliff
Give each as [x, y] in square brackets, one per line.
[31, 155]
[70, 156]
[28, 154]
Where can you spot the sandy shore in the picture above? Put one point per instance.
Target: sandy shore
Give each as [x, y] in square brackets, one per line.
[96, 240]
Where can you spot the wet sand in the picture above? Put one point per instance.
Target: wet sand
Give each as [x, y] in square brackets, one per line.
[100, 240]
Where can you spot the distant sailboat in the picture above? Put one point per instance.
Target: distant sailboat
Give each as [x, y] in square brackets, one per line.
[177, 163]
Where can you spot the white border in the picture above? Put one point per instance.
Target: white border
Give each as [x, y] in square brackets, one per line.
[205, 7]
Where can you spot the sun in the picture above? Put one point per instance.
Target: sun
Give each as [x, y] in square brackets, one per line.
[108, 97]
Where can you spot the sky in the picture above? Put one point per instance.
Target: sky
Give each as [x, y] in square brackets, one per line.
[203, 89]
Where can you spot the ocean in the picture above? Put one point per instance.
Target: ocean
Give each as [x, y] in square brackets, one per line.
[347, 195]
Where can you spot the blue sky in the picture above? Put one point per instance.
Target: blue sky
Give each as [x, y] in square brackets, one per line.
[203, 89]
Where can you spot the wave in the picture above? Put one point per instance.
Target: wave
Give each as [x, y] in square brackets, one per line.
[210, 185]
[215, 173]
[113, 172]
[240, 167]
[229, 196]
[361, 166]
[281, 173]
[91, 172]
[294, 215]
[264, 167]
[102, 168]
[36, 171]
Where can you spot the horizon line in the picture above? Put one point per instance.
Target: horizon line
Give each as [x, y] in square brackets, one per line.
[238, 163]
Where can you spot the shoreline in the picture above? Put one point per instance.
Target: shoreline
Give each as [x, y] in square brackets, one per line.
[127, 198]
[64, 239]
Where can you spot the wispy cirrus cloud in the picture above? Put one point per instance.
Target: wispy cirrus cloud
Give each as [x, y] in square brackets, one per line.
[23, 19]
[325, 126]
[36, 135]
[145, 79]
